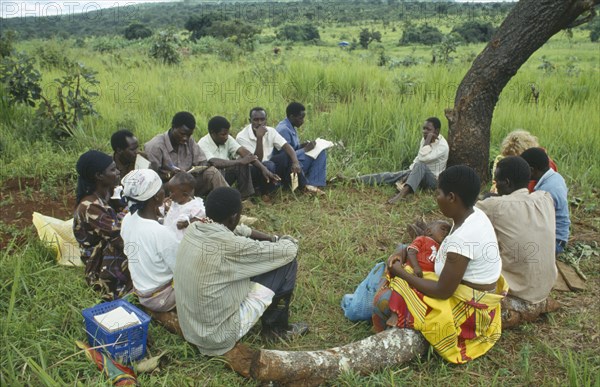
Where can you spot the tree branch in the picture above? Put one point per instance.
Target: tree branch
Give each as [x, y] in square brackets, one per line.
[586, 19]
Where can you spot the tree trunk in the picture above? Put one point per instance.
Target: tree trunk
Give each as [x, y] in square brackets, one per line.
[526, 28]
[311, 368]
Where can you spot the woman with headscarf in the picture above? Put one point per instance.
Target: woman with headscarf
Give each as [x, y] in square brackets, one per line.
[150, 246]
[97, 226]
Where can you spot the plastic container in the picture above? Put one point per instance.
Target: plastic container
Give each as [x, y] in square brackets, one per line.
[123, 345]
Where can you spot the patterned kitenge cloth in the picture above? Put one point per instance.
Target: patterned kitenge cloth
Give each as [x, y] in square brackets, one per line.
[460, 329]
[97, 228]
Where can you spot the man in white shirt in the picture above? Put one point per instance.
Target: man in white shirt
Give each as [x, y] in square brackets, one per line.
[260, 140]
[222, 152]
[426, 167]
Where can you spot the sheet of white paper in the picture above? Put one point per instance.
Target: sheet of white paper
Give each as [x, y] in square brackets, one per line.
[117, 318]
[141, 162]
[320, 146]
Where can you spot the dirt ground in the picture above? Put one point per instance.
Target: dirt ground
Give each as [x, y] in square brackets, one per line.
[19, 198]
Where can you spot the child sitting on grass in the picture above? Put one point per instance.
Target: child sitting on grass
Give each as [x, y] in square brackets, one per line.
[421, 253]
[185, 208]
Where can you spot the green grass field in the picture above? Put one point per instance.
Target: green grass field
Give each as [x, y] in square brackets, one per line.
[377, 113]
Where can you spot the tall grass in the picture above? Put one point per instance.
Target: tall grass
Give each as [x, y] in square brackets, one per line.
[374, 111]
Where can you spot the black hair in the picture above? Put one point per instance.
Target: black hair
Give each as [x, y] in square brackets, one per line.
[183, 118]
[218, 123]
[537, 158]
[118, 141]
[294, 109]
[256, 109]
[223, 202]
[183, 178]
[88, 165]
[461, 180]
[515, 169]
[436, 122]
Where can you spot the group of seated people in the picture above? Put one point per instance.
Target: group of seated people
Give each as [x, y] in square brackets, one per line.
[459, 284]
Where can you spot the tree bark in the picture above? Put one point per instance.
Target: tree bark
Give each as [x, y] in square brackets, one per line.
[311, 368]
[526, 28]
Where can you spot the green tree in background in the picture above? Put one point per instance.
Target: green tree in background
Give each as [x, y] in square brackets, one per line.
[137, 31]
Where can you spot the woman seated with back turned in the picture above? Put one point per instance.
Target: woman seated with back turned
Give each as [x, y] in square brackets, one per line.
[456, 308]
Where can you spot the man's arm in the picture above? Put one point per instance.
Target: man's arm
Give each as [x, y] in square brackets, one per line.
[245, 154]
[433, 151]
[261, 132]
[296, 168]
[244, 160]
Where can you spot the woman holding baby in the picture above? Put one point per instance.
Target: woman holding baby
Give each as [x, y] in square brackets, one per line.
[457, 306]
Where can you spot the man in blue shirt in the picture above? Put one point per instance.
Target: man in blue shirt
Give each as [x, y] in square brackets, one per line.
[314, 170]
[553, 183]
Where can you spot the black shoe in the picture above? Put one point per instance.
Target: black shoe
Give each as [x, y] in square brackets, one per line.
[292, 331]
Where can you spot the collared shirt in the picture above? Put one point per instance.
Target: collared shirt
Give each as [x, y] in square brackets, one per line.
[271, 139]
[553, 183]
[227, 151]
[161, 152]
[434, 155]
[524, 225]
[212, 279]
[289, 133]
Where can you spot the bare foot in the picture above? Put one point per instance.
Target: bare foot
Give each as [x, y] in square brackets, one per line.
[406, 190]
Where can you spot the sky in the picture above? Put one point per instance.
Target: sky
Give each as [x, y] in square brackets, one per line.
[38, 8]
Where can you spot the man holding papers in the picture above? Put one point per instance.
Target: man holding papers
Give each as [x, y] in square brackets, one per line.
[176, 151]
[310, 154]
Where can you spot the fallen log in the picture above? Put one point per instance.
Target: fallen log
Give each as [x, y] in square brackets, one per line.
[311, 368]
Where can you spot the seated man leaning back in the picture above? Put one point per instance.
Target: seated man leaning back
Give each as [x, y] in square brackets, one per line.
[176, 151]
[227, 281]
[426, 167]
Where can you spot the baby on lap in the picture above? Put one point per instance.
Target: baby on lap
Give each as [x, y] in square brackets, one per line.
[421, 253]
[185, 207]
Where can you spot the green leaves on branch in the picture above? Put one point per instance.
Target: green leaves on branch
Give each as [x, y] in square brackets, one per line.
[72, 100]
[62, 103]
[21, 79]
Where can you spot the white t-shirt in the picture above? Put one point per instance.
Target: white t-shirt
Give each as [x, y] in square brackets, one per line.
[151, 250]
[192, 209]
[272, 138]
[227, 151]
[476, 240]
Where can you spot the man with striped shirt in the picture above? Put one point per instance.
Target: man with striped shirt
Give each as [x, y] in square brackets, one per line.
[226, 281]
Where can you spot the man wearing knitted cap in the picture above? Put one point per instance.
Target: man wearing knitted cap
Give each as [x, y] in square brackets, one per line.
[151, 248]
[176, 151]
[226, 281]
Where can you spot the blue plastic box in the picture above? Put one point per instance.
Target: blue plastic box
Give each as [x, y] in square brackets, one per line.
[125, 345]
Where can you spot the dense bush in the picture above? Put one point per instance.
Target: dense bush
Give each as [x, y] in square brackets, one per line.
[53, 54]
[299, 32]
[366, 37]
[424, 34]
[137, 31]
[475, 31]
[595, 30]
[21, 79]
[6, 43]
[106, 44]
[165, 47]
